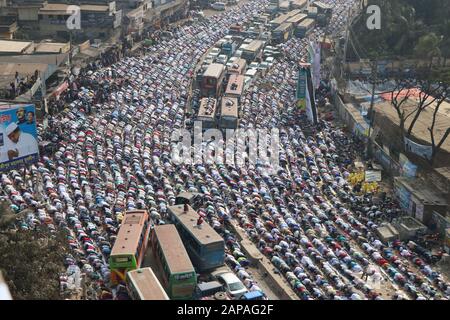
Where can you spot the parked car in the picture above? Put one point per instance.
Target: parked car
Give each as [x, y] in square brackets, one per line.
[253, 295]
[233, 286]
[210, 290]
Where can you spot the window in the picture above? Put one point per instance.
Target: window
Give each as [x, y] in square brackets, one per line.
[122, 259]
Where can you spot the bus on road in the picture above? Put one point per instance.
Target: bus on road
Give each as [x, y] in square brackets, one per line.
[142, 284]
[304, 28]
[282, 34]
[207, 113]
[130, 245]
[173, 266]
[295, 20]
[253, 51]
[212, 80]
[235, 86]
[229, 116]
[205, 246]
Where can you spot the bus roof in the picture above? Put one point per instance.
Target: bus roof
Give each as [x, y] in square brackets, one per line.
[255, 45]
[297, 18]
[284, 4]
[238, 66]
[293, 13]
[174, 251]
[306, 23]
[214, 70]
[298, 4]
[322, 6]
[283, 27]
[235, 84]
[205, 235]
[280, 19]
[129, 233]
[207, 107]
[147, 284]
[229, 107]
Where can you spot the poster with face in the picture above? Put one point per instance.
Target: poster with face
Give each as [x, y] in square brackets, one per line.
[18, 136]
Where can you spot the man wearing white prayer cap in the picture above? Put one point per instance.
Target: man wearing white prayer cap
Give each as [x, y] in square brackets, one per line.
[19, 144]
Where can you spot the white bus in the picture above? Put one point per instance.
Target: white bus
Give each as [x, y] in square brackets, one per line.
[142, 284]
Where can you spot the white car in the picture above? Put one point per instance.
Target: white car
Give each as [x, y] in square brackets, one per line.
[222, 59]
[270, 60]
[232, 284]
[254, 65]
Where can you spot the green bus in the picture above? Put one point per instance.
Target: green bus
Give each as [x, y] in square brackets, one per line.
[174, 268]
[130, 245]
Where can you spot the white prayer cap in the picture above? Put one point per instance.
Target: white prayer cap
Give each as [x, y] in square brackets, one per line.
[11, 128]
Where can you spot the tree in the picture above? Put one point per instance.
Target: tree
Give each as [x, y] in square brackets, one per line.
[430, 92]
[428, 47]
[399, 96]
[436, 145]
[30, 260]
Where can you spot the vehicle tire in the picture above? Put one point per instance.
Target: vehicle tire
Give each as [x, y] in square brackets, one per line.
[220, 295]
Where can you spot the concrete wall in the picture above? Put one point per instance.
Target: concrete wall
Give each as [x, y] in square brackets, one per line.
[277, 282]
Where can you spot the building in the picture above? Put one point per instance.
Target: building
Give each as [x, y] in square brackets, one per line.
[136, 17]
[96, 21]
[8, 27]
[419, 200]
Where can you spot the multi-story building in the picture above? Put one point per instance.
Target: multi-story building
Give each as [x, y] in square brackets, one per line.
[96, 21]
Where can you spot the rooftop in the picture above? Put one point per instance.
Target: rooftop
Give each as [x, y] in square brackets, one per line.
[420, 130]
[129, 233]
[214, 70]
[235, 84]
[173, 249]
[206, 234]
[52, 47]
[229, 107]
[7, 46]
[425, 194]
[61, 8]
[148, 285]
[207, 107]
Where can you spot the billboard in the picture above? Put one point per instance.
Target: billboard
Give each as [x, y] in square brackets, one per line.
[301, 89]
[18, 136]
[305, 92]
[418, 149]
[314, 58]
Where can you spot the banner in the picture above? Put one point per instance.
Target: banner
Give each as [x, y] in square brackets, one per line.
[305, 92]
[404, 197]
[373, 176]
[418, 149]
[18, 137]
[301, 88]
[314, 58]
[408, 169]
[61, 88]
